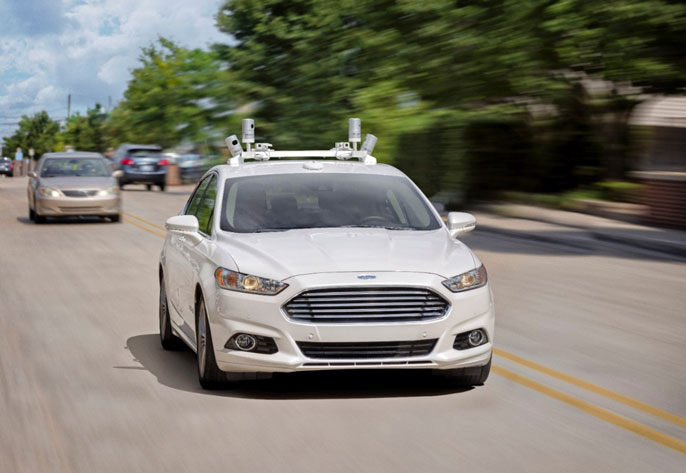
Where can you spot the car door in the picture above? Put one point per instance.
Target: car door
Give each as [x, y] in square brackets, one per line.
[196, 255]
[176, 261]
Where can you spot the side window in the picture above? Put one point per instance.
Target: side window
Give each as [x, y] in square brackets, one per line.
[206, 207]
[192, 205]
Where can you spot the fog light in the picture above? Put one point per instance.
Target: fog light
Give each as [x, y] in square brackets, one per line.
[476, 338]
[466, 340]
[245, 342]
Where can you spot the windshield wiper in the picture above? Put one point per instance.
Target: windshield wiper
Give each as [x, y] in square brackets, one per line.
[265, 230]
[387, 227]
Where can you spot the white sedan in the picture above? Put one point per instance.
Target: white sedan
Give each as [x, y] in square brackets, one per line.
[302, 265]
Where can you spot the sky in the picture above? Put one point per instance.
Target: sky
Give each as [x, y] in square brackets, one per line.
[86, 48]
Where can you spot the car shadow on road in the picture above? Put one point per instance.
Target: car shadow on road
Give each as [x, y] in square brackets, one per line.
[65, 221]
[177, 369]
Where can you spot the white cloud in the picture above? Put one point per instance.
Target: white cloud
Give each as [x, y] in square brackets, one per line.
[86, 48]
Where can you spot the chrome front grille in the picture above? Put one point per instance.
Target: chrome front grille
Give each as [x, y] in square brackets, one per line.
[80, 193]
[367, 350]
[366, 305]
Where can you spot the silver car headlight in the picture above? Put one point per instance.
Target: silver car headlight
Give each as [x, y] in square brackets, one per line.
[49, 192]
[469, 280]
[235, 281]
[108, 191]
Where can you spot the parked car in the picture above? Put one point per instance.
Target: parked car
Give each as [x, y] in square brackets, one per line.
[73, 183]
[6, 166]
[283, 266]
[141, 164]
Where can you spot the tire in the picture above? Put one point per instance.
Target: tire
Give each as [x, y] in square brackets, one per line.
[209, 374]
[168, 340]
[148, 187]
[38, 218]
[115, 218]
[162, 187]
[472, 376]
[32, 214]
[121, 185]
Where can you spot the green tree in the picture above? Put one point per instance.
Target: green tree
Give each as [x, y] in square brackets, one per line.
[38, 132]
[168, 99]
[85, 132]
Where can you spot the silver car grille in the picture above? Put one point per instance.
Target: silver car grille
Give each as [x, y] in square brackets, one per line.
[80, 193]
[366, 305]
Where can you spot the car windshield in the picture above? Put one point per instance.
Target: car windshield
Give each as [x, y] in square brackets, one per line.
[74, 167]
[281, 202]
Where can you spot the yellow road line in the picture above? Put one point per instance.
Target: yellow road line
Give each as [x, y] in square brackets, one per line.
[136, 224]
[600, 413]
[144, 221]
[641, 406]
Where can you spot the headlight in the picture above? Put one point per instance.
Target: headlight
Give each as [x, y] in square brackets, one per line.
[469, 280]
[234, 281]
[48, 192]
[108, 191]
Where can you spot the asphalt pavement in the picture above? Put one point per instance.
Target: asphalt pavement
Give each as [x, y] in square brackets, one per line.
[589, 372]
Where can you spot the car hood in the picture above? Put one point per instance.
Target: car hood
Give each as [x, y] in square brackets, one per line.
[78, 182]
[280, 255]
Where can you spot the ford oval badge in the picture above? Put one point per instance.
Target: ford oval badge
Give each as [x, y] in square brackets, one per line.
[366, 276]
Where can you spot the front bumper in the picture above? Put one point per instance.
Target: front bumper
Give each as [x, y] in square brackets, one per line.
[234, 312]
[70, 206]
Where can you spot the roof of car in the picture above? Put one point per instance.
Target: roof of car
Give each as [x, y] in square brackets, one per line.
[256, 168]
[73, 154]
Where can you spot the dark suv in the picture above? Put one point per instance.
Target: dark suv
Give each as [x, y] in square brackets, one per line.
[141, 164]
[6, 166]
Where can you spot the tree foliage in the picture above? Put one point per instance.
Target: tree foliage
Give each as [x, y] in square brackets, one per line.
[38, 132]
[170, 97]
[474, 86]
[85, 132]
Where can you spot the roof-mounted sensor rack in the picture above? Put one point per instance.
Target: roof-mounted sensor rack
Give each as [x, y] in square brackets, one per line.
[264, 151]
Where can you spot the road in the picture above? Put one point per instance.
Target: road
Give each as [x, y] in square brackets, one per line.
[589, 373]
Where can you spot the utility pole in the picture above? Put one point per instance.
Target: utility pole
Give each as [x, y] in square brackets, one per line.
[109, 103]
[68, 106]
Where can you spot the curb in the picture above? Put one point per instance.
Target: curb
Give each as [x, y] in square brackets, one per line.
[661, 246]
[573, 242]
[581, 243]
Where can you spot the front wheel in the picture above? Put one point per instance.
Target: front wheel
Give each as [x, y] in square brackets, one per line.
[162, 187]
[472, 376]
[32, 214]
[168, 340]
[209, 374]
[148, 187]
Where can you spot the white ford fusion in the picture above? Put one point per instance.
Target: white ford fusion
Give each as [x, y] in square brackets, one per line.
[298, 265]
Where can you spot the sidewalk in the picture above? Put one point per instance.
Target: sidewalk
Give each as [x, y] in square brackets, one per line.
[575, 229]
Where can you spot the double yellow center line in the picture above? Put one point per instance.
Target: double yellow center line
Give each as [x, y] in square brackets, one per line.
[582, 405]
[150, 228]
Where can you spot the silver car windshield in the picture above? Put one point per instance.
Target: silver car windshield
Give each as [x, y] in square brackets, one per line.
[74, 167]
[291, 201]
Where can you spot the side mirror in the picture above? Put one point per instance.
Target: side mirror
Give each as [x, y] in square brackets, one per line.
[184, 226]
[32, 174]
[460, 223]
[118, 174]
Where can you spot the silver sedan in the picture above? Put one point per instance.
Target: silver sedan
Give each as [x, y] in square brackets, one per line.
[73, 183]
